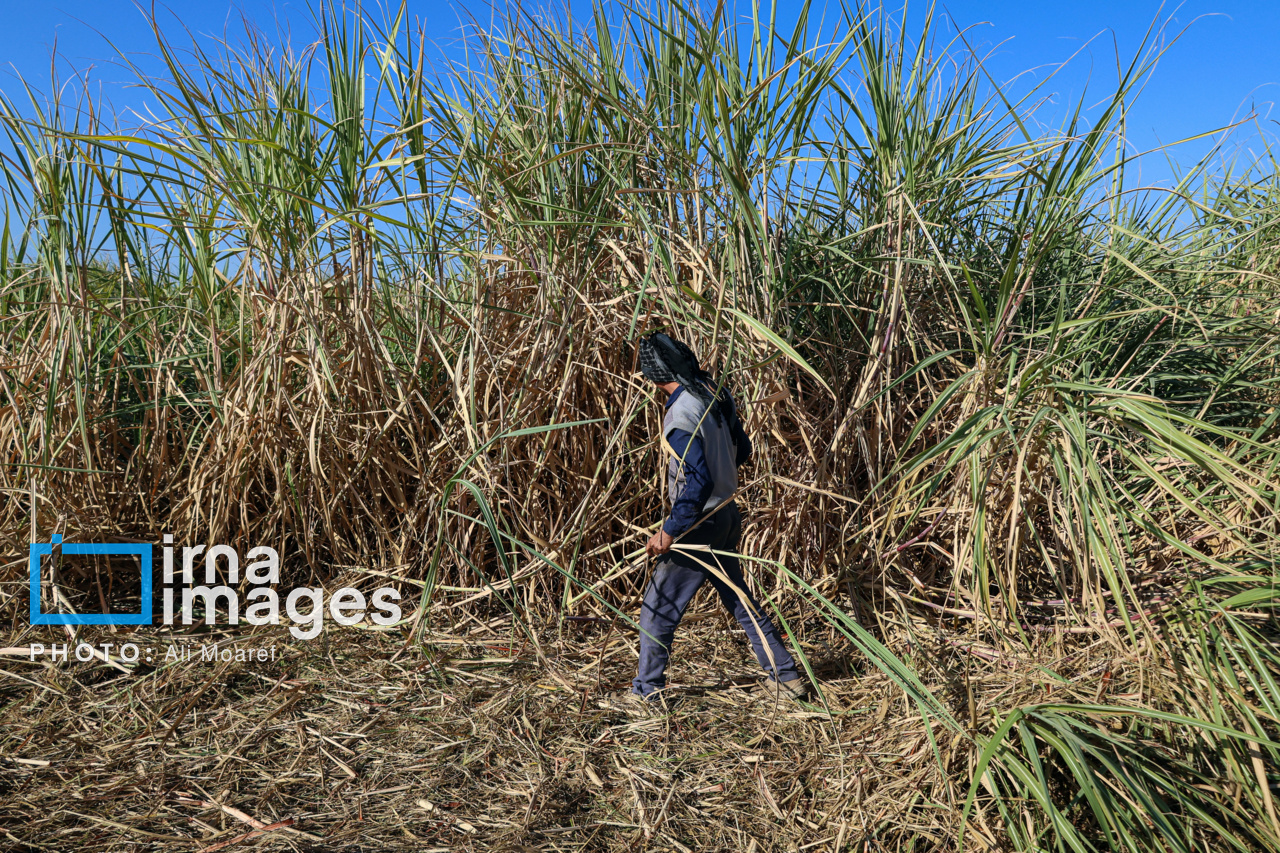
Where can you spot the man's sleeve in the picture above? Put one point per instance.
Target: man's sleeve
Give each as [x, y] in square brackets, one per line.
[697, 482]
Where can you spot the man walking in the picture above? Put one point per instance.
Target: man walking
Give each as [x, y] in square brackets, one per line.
[702, 430]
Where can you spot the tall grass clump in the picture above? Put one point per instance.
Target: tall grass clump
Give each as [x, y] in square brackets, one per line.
[1016, 419]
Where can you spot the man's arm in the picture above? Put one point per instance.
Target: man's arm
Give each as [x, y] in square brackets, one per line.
[740, 438]
[698, 484]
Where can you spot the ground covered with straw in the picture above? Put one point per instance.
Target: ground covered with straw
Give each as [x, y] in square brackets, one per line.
[357, 743]
[1015, 497]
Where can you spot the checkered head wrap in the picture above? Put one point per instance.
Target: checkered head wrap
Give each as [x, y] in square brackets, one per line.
[664, 359]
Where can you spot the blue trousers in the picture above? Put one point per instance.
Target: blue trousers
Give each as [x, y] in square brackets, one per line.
[676, 579]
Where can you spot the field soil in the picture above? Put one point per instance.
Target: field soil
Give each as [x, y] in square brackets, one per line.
[476, 741]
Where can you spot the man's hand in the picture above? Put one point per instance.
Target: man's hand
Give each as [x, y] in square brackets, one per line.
[659, 543]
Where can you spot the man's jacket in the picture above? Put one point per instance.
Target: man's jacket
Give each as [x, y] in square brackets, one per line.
[703, 471]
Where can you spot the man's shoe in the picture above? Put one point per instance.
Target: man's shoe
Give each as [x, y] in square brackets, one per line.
[633, 704]
[774, 690]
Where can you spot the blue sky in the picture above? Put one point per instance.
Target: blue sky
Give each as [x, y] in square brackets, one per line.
[1223, 68]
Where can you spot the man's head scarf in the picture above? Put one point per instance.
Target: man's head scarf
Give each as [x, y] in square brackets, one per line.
[664, 359]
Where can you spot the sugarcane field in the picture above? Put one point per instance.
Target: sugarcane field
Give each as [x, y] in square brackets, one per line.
[639, 426]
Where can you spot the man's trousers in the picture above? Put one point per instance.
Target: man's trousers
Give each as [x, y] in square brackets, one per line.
[676, 579]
